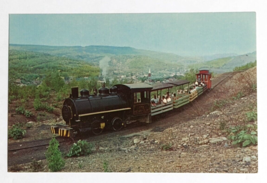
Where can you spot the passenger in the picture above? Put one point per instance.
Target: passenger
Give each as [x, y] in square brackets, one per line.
[159, 100]
[174, 96]
[167, 95]
[95, 91]
[155, 99]
[169, 99]
[164, 101]
[153, 103]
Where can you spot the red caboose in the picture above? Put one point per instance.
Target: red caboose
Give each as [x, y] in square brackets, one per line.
[204, 76]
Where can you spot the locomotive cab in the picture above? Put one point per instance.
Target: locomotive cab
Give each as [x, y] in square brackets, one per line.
[139, 99]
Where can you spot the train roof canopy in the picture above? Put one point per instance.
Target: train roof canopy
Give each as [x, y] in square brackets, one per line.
[179, 82]
[136, 87]
[162, 86]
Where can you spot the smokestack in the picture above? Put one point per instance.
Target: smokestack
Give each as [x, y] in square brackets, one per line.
[74, 92]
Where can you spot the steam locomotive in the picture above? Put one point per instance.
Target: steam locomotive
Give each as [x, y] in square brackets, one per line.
[124, 104]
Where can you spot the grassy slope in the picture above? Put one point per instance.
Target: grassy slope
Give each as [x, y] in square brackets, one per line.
[32, 65]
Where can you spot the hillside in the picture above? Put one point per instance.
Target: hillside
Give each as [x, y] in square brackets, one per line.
[226, 64]
[90, 53]
[131, 60]
[31, 67]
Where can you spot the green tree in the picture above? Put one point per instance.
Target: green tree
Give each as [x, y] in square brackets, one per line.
[54, 156]
[54, 81]
[191, 75]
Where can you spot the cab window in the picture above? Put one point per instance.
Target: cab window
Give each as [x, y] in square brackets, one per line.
[137, 97]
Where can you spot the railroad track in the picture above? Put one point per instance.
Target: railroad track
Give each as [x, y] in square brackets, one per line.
[33, 144]
[222, 78]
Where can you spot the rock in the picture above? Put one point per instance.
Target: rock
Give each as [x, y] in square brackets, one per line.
[235, 170]
[246, 159]
[142, 142]
[183, 154]
[218, 139]
[136, 141]
[204, 146]
[254, 158]
[103, 149]
[191, 126]
[129, 169]
[205, 136]
[207, 124]
[216, 113]
[185, 139]
[170, 161]
[237, 156]
[203, 142]
[244, 169]
[123, 149]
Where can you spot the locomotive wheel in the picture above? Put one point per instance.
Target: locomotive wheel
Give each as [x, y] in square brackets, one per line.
[117, 123]
[96, 127]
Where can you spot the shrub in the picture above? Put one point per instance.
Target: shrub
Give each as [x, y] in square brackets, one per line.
[59, 97]
[16, 132]
[36, 166]
[218, 104]
[28, 125]
[243, 135]
[57, 112]
[166, 147]
[238, 96]
[28, 113]
[251, 116]
[37, 103]
[245, 67]
[222, 125]
[80, 148]
[20, 110]
[48, 108]
[10, 98]
[54, 156]
[105, 166]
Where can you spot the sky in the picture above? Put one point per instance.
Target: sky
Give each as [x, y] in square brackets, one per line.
[186, 34]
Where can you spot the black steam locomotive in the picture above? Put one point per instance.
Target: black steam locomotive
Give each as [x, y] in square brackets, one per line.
[115, 107]
[124, 104]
